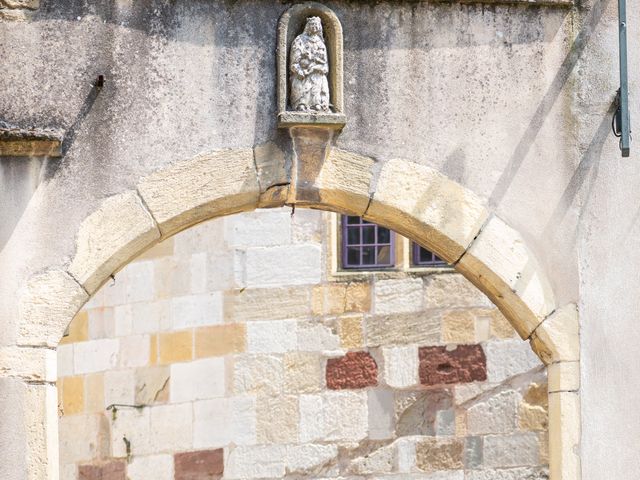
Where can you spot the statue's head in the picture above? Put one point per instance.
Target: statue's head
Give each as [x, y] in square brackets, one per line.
[314, 26]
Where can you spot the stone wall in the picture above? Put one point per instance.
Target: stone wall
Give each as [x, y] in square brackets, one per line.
[236, 350]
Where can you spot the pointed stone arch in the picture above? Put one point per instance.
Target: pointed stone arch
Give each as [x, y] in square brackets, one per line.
[412, 199]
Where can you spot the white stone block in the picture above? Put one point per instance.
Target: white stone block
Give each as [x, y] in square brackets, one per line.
[311, 418]
[345, 416]
[262, 374]
[74, 446]
[280, 266]
[508, 358]
[135, 425]
[134, 351]
[518, 450]
[221, 421]
[196, 310]
[65, 360]
[315, 337]
[197, 380]
[172, 428]
[398, 296]
[308, 459]
[496, 414]
[146, 316]
[244, 463]
[119, 387]
[95, 355]
[381, 411]
[276, 336]
[123, 320]
[101, 323]
[156, 467]
[400, 366]
[262, 228]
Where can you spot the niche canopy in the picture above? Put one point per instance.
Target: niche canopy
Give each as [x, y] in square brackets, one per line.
[310, 74]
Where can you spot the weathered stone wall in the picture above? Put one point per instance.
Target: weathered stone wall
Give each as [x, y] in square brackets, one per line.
[235, 350]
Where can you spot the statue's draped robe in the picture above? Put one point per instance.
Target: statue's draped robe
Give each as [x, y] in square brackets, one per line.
[308, 59]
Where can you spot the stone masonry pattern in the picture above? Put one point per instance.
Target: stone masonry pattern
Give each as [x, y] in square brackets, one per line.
[234, 351]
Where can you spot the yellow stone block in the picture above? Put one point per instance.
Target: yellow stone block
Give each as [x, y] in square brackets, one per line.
[219, 340]
[153, 349]
[458, 326]
[500, 326]
[532, 417]
[94, 393]
[78, 330]
[73, 395]
[350, 330]
[162, 249]
[176, 346]
[358, 297]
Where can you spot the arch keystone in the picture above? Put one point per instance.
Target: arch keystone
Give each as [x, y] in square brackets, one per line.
[423, 204]
[208, 186]
[110, 237]
[501, 265]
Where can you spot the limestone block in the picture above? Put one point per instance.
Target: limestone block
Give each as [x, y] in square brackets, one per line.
[564, 377]
[134, 351]
[337, 180]
[176, 346]
[452, 290]
[310, 459]
[78, 330]
[134, 424]
[400, 366]
[110, 237]
[72, 395]
[380, 405]
[275, 336]
[277, 419]
[273, 303]
[520, 449]
[317, 337]
[171, 428]
[508, 358]
[564, 436]
[65, 360]
[119, 387]
[312, 426]
[262, 228]
[158, 467]
[377, 462]
[197, 380]
[33, 364]
[197, 310]
[303, 373]
[458, 326]
[358, 297]
[133, 284]
[273, 174]
[398, 296]
[220, 421]
[210, 185]
[94, 393]
[494, 415]
[47, 304]
[557, 338]
[258, 374]
[442, 215]
[333, 416]
[439, 454]
[220, 340]
[95, 355]
[75, 429]
[249, 462]
[419, 328]
[501, 265]
[350, 331]
[281, 266]
[152, 385]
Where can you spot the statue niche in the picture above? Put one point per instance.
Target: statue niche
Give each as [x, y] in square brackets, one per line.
[310, 68]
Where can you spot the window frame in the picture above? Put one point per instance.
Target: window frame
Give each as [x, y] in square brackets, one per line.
[344, 227]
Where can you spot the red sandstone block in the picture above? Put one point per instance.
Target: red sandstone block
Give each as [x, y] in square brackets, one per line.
[466, 363]
[354, 370]
[115, 470]
[202, 465]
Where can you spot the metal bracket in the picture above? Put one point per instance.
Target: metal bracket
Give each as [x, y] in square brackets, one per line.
[622, 119]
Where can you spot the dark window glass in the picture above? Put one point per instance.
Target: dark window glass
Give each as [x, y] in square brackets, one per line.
[424, 258]
[365, 244]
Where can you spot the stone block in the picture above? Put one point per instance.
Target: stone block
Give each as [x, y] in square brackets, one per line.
[520, 473]
[358, 297]
[277, 419]
[458, 327]
[329, 299]
[564, 435]
[520, 449]
[262, 228]
[101, 323]
[494, 415]
[171, 428]
[175, 346]
[72, 395]
[74, 447]
[133, 284]
[400, 366]
[420, 328]
[316, 336]
[220, 421]
[220, 340]
[282, 266]
[378, 462]
[197, 380]
[157, 467]
[417, 412]
[263, 374]
[262, 303]
[210, 185]
[134, 351]
[111, 470]
[196, 310]
[445, 424]
[350, 331]
[94, 393]
[134, 424]
[564, 376]
[78, 329]
[443, 214]
[274, 336]
[95, 356]
[501, 265]
[46, 305]
[200, 465]
[441, 365]
[303, 373]
[65, 360]
[452, 290]
[557, 338]
[31, 364]
[354, 370]
[473, 450]
[380, 406]
[253, 462]
[398, 296]
[333, 416]
[508, 358]
[310, 459]
[110, 237]
[119, 387]
[152, 385]
[440, 454]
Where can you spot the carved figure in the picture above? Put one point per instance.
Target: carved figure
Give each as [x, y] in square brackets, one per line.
[309, 68]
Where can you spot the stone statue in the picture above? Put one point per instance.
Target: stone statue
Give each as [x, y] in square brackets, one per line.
[309, 68]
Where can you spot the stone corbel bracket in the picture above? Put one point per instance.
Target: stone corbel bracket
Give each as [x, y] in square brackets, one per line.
[29, 142]
[290, 24]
